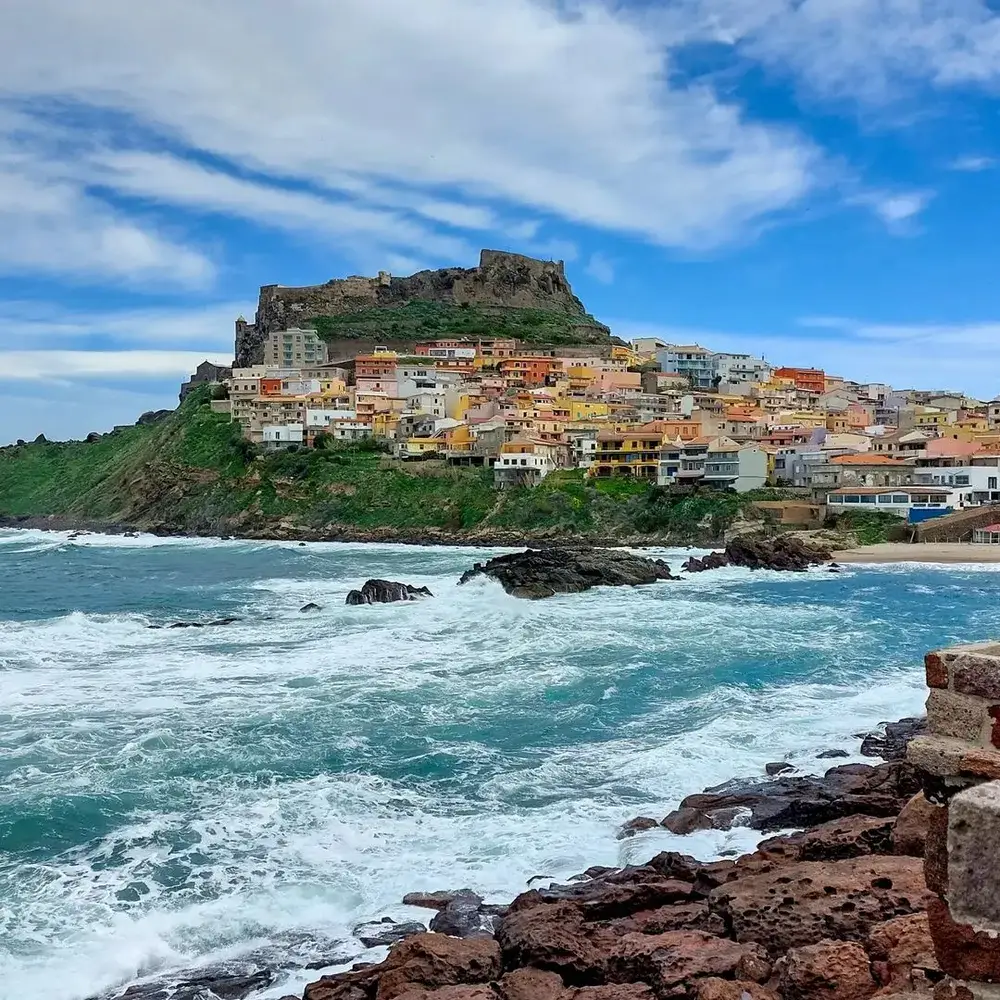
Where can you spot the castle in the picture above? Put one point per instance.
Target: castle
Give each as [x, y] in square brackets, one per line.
[502, 280]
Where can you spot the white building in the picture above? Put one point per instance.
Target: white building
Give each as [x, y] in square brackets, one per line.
[276, 436]
[522, 464]
[321, 419]
[898, 500]
[970, 484]
[738, 368]
[294, 347]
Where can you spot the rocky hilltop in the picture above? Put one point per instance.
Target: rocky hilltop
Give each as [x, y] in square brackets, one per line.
[503, 284]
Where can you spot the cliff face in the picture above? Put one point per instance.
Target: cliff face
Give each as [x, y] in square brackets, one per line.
[503, 281]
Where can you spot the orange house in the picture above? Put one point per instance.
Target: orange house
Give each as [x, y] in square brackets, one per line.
[270, 386]
[376, 366]
[529, 371]
[811, 379]
[681, 427]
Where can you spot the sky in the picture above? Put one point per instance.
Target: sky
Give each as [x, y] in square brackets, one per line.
[816, 181]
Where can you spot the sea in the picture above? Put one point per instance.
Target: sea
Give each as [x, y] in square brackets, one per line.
[172, 799]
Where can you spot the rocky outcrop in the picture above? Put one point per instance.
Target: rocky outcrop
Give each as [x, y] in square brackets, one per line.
[756, 551]
[833, 970]
[539, 573]
[386, 931]
[792, 801]
[211, 624]
[386, 592]
[891, 739]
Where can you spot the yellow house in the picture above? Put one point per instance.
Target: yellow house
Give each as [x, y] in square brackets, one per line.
[384, 424]
[633, 451]
[626, 355]
[930, 420]
[585, 409]
[581, 376]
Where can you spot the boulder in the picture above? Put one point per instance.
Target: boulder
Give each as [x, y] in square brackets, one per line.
[531, 984]
[676, 958]
[832, 754]
[212, 624]
[423, 962]
[808, 901]
[450, 993]
[386, 592]
[308, 608]
[909, 833]
[851, 837]
[386, 932]
[554, 937]
[539, 573]
[827, 970]
[222, 984]
[726, 989]
[463, 917]
[638, 825]
[891, 739]
[714, 560]
[694, 916]
[902, 953]
[433, 900]
[778, 767]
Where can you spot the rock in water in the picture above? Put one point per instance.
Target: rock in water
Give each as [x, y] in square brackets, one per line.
[539, 573]
[385, 932]
[310, 607]
[784, 552]
[386, 592]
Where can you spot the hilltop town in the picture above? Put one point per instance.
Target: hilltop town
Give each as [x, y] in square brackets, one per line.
[671, 415]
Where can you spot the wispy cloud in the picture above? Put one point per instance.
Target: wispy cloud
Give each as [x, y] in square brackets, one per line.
[601, 268]
[898, 210]
[63, 366]
[972, 164]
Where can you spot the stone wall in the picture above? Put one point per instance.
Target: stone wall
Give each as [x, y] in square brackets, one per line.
[502, 280]
[960, 762]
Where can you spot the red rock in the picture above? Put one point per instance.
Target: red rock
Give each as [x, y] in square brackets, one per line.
[726, 989]
[554, 937]
[850, 837]
[936, 670]
[531, 984]
[686, 820]
[832, 970]
[680, 916]
[450, 993]
[423, 962]
[960, 950]
[807, 902]
[668, 960]
[936, 851]
[902, 952]
[616, 991]
[909, 833]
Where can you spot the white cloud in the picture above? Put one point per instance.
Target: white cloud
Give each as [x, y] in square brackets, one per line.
[54, 226]
[63, 366]
[972, 164]
[31, 325]
[601, 269]
[898, 210]
[509, 104]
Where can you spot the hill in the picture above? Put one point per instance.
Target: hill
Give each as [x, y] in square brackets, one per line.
[192, 473]
[507, 295]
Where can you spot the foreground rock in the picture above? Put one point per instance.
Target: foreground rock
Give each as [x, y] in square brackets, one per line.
[539, 573]
[386, 592]
[783, 552]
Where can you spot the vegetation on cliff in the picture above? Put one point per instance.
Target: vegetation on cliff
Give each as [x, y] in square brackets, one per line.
[192, 472]
[432, 320]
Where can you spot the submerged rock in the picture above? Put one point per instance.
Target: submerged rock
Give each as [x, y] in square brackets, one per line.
[206, 984]
[310, 607]
[212, 624]
[538, 573]
[386, 592]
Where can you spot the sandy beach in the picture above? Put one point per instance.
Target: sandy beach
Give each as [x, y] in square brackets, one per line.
[931, 552]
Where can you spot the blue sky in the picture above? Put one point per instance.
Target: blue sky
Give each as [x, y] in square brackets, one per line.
[815, 180]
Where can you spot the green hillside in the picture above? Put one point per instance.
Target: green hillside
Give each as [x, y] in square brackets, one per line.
[431, 320]
[192, 473]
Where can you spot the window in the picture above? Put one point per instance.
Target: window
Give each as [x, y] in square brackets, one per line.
[852, 499]
[885, 498]
[868, 499]
[991, 483]
[900, 498]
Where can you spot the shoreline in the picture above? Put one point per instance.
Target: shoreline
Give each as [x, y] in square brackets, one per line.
[421, 537]
[921, 552]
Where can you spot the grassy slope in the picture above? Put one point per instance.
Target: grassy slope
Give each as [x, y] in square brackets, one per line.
[192, 472]
[429, 320]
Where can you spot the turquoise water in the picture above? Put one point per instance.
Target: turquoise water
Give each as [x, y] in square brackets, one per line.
[171, 797]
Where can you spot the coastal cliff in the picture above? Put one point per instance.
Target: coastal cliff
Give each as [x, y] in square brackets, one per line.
[507, 295]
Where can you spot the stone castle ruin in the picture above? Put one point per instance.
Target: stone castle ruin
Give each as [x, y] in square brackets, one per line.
[501, 281]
